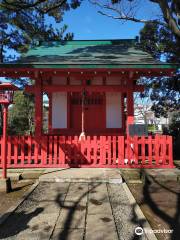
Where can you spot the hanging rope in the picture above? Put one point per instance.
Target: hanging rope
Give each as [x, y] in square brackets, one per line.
[82, 135]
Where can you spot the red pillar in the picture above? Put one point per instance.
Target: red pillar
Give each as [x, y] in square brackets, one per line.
[122, 111]
[4, 143]
[130, 109]
[38, 107]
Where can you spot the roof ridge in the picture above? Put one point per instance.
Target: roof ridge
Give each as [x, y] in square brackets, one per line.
[118, 40]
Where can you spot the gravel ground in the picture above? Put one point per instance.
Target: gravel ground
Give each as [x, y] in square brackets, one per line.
[19, 188]
[123, 212]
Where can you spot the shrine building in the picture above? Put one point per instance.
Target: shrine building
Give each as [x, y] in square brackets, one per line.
[90, 86]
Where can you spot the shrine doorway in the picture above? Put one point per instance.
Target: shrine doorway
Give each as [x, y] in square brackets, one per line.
[94, 112]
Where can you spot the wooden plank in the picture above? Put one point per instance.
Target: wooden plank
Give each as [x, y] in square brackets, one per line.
[164, 146]
[143, 150]
[69, 149]
[77, 158]
[36, 150]
[22, 151]
[157, 149]
[62, 150]
[95, 149]
[150, 153]
[55, 161]
[135, 149]
[104, 151]
[101, 151]
[44, 142]
[170, 152]
[119, 157]
[114, 149]
[50, 149]
[89, 146]
[29, 143]
[109, 150]
[127, 150]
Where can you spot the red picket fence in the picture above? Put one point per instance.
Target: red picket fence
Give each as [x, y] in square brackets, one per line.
[95, 151]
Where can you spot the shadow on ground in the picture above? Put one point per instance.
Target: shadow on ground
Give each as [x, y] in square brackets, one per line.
[173, 222]
[21, 220]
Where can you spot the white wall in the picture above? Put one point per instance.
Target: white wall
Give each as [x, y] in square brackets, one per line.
[59, 110]
[113, 110]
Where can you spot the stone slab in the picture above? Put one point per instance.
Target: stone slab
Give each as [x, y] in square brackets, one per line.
[77, 191]
[72, 217]
[68, 234]
[100, 226]
[98, 207]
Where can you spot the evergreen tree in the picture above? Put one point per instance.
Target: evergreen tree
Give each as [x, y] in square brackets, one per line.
[164, 91]
[24, 23]
[21, 114]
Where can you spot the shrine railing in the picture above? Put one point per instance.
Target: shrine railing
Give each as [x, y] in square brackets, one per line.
[95, 151]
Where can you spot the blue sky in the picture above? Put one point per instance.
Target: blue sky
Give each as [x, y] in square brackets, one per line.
[86, 23]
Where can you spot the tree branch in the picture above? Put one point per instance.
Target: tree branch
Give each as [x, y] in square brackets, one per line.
[60, 4]
[121, 15]
[133, 19]
[168, 17]
[24, 5]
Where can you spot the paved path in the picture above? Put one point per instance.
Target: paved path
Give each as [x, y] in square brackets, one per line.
[73, 211]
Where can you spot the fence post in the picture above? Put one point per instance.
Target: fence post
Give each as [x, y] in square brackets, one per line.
[150, 151]
[171, 164]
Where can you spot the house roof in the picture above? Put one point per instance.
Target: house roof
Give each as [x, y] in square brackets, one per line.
[124, 53]
[8, 86]
[88, 52]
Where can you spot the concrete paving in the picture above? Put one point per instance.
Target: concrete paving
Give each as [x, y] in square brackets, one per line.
[73, 211]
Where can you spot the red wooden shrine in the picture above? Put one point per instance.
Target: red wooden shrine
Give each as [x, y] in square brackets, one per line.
[95, 98]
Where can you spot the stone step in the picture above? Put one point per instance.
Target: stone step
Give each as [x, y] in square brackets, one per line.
[82, 175]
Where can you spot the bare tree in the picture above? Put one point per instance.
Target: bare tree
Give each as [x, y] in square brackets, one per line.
[130, 10]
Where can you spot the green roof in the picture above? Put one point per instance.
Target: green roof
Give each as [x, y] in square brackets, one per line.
[92, 54]
[88, 52]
